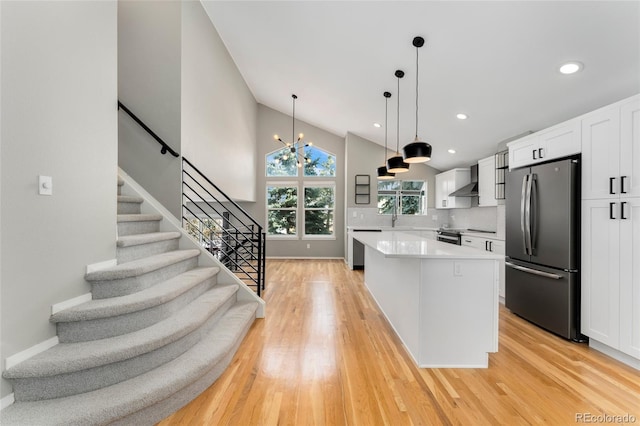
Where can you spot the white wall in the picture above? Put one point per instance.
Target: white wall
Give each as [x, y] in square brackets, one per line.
[149, 56]
[219, 113]
[59, 118]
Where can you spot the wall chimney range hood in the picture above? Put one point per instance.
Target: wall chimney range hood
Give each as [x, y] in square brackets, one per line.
[471, 189]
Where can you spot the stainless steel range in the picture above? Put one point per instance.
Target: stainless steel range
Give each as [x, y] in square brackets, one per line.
[450, 235]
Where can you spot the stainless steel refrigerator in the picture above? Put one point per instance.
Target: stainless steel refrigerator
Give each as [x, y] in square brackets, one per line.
[542, 275]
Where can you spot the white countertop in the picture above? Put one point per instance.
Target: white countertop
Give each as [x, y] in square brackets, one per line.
[403, 244]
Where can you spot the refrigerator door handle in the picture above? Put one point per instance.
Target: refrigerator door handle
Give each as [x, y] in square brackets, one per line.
[533, 271]
[523, 205]
[527, 215]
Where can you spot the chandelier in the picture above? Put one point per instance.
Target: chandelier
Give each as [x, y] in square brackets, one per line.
[292, 149]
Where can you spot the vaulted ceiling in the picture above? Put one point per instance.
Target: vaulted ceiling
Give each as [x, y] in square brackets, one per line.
[495, 61]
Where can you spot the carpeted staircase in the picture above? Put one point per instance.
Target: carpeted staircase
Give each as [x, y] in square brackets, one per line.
[159, 330]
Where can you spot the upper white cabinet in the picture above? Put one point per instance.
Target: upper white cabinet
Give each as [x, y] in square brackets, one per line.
[555, 142]
[448, 182]
[611, 151]
[487, 182]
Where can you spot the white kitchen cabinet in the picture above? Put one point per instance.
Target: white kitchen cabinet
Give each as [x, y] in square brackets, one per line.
[555, 142]
[492, 245]
[448, 182]
[611, 273]
[487, 182]
[610, 153]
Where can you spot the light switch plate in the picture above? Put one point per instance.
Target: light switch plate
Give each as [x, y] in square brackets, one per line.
[45, 185]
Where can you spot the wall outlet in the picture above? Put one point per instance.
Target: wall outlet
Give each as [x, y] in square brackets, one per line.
[434, 217]
[457, 269]
[355, 214]
[308, 245]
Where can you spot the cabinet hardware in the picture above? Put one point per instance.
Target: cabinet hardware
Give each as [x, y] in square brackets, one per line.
[622, 204]
[534, 154]
[622, 178]
[611, 216]
[611, 180]
[486, 246]
[491, 246]
[540, 152]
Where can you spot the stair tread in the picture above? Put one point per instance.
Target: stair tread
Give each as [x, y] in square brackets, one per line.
[145, 299]
[152, 237]
[130, 199]
[70, 357]
[117, 401]
[142, 266]
[138, 217]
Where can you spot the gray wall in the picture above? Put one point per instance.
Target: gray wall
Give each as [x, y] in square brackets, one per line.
[219, 113]
[149, 60]
[272, 122]
[364, 157]
[59, 90]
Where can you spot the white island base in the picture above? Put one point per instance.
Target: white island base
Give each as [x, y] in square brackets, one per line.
[442, 303]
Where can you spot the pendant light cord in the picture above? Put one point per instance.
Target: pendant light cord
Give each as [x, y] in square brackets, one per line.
[417, 92]
[293, 122]
[398, 122]
[386, 121]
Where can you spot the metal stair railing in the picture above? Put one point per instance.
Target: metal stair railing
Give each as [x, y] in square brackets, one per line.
[224, 227]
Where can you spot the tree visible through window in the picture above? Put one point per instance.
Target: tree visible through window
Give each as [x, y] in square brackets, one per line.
[408, 197]
[319, 204]
[282, 207]
[318, 198]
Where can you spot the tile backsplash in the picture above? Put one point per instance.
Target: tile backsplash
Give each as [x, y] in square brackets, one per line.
[485, 218]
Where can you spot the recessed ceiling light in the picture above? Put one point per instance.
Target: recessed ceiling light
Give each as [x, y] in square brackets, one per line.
[461, 116]
[571, 67]
[377, 125]
[451, 151]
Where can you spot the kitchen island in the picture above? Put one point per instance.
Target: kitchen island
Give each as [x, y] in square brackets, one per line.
[440, 298]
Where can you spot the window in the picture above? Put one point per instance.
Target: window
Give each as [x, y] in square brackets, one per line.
[319, 202]
[282, 208]
[319, 162]
[408, 196]
[317, 206]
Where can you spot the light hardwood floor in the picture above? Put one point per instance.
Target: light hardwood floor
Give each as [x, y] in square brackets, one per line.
[325, 355]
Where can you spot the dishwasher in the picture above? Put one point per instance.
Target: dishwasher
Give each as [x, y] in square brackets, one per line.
[358, 249]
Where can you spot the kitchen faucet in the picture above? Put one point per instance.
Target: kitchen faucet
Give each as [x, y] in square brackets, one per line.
[394, 215]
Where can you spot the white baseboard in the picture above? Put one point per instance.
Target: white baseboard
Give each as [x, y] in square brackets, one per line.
[69, 303]
[7, 401]
[101, 265]
[302, 258]
[30, 352]
[615, 354]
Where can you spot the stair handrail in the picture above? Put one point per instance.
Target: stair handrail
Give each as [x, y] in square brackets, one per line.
[257, 235]
[226, 197]
[165, 147]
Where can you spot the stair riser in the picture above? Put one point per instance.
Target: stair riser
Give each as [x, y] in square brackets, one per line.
[82, 331]
[160, 410]
[33, 389]
[128, 208]
[122, 287]
[127, 254]
[141, 227]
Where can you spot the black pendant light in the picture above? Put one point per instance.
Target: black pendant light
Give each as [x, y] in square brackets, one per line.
[417, 151]
[383, 173]
[397, 164]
